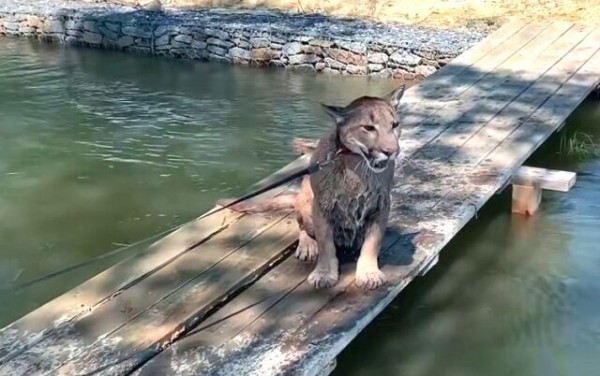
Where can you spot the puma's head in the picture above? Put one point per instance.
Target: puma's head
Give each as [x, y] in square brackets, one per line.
[370, 127]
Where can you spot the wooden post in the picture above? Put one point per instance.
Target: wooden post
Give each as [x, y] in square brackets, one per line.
[526, 199]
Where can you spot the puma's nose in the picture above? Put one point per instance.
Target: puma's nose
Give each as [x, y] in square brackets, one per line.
[389, 151]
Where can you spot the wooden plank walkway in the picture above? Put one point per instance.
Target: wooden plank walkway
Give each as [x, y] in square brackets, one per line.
[221, 296]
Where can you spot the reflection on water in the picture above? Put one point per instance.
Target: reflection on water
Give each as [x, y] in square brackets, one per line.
[510, 296]
[100, 149]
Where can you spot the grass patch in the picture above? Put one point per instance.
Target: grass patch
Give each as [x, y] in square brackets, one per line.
[578, 144]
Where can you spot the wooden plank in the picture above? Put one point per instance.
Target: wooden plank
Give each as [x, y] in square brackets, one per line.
[58, 314]
[423, 106]
[520, 68]
[553, 180]
[122, 351]
[433, 87]
[122, 308]
[314, 343]
[475, 149]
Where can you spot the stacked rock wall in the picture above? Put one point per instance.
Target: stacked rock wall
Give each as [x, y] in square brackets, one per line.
[259, 38]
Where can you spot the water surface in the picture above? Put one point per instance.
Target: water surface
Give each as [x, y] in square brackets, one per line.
[101, 149]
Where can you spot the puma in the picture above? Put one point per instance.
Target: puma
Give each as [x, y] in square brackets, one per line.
[345, 205]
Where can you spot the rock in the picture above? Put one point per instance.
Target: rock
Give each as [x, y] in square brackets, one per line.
[319, 66]
[278, 39]
[72, 40]
[355, 69]
[26, 30]
[378, 57]
[11, 26]
[183, 38]
[405, 58]
[51, 27]
[162, 30]
[331, 71]
[238, 53]
[92, 38]
[316, 50]
[216, 50]
[241, 43]
[219, 34]
[161, 41]
[346, 57]
[304, 67]
[302, 59]
[320, 43]
[113, 26]
[218, 58]
[136, 32]
[423, 71]
[264, 54]
[200, 36]
[375, 67]
[75, 33]
[199, 45]
[219, 42]
[277, 63]
[333, 64]
[108, 33]
[90, 26]
[125, 41]
[259, 42]
[275, 46]
[358, 47]
[34, 21]
[73, 25]
[385, 73]
[292, 48]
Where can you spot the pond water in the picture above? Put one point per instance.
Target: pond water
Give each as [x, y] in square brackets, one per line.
[101, 149]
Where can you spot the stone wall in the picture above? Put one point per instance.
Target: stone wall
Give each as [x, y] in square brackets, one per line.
[315, 43]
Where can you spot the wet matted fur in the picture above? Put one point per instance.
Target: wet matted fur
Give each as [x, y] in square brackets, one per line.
[345, 205]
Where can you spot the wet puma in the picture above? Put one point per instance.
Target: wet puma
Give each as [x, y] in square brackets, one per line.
[346, 204]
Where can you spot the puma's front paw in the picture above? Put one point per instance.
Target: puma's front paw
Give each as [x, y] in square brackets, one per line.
[370, 279]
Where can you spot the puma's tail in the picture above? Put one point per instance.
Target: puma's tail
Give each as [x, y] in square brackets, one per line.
[275, 204]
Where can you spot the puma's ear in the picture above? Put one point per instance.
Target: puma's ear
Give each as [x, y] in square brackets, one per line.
[338, 114]
[395, 96]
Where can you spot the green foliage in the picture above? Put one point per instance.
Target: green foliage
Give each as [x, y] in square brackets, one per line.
[578, 144]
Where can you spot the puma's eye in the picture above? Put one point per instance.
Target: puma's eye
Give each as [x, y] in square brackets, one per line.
[368, 128]
[395, 124]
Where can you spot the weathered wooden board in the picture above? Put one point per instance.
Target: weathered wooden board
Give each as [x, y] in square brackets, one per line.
[54, 318]
[320, 328]
[552, 180]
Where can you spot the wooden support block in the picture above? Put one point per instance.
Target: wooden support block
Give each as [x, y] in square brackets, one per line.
[429, 266]
[526, 199]
[552, 180]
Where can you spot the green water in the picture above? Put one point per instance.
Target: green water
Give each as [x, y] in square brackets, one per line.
[101, 149]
